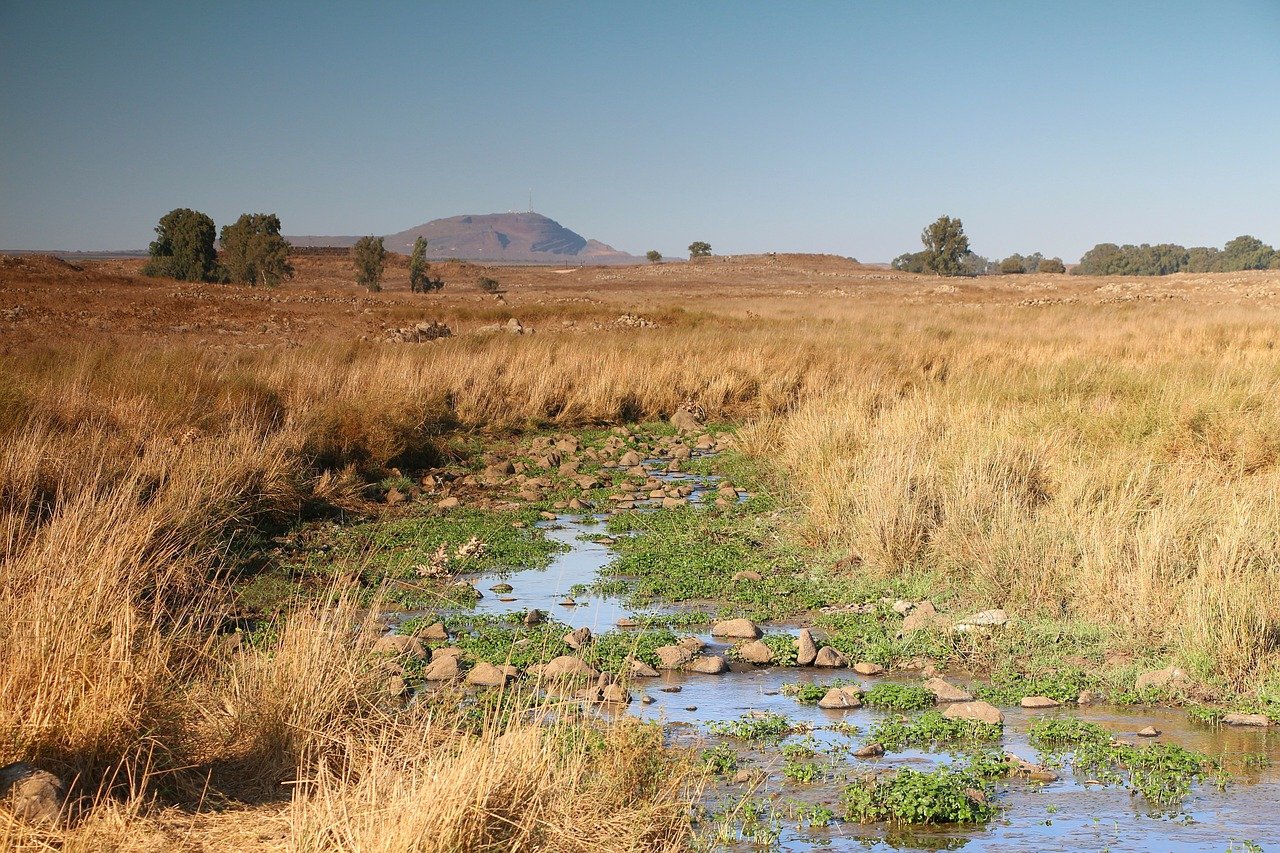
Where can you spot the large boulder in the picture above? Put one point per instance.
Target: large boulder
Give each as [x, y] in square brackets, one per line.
[736, 629]
[578, 638]
[34, 796]
[442, 668]
[567, 666]
[838, 698]
[708, 665]
[485, 674]
[399, 644]
[433, 633]
[945, 691]
[672, 657]
[686, 419]
[830, 657]
[756, 652]
[806, 649]
[981, 711]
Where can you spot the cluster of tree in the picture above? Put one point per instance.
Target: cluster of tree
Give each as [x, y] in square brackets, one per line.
[1243, 253]
[1017, 264]
[946, 251]
[369, 256]
[253, 252]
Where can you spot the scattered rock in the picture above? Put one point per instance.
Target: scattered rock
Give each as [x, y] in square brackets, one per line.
[945, 691]
[567, 666]
[434, 632]
[627, 622]
[630, 459]
[534, 616]
[501, 588]
[1149, 731]
[34, 796]
[672, 657]
[863, 667]
[837, 698]
[921, 616]
[736, 629]
[1021, 766]
[981, 711]
[399, 644]
[1039, 702]
[708, 665]
[756, 652]
[829, 657]
[692, 643]
[615, 694]
[688, 418]
[445, 652]
[640, 669]
[1237, 719]
[1088, 697]
[806, 649]
[442, 668]
[871, 750]
[578, 638]
[485, 674]
[448, 503]
[646, 700]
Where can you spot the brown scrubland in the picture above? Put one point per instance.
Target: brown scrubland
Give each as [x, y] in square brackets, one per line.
[1101, 450]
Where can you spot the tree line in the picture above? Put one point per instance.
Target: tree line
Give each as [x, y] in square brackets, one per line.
[1243, 253]
[254, 253]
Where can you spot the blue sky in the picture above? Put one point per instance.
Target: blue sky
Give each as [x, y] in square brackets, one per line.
[825, 127]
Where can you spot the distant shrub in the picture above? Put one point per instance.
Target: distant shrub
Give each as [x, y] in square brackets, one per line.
[1052, 265]
[1012, 265]
[370, 258]
[488, 285]
[653, 255]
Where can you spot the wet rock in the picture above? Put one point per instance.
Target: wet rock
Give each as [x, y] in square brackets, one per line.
[485, 674]
[837, 699]
[1149, 731]
[756, 652]
[1237, 719]
[568, 601]
[646, 700]
[578, 638]
[615, 694]
[671, 688]
[981, 711]
[749, 777]
[806, 649]
[640, 669]
[692, 643]
[1170, 677]
[672, 657]
[708, 665]
[871, 750]
[630, 459]
[945, 691]
[627, 622]
[501, 588]
[442, 668]
[399, 644]
[746, 575]
[1039, 702]
[34, 796]
[921, 616]
[433, 633]
[736, 629]
[829, 657]
[1088, 697]
[567, 666]
[863, 667]
[534, 616]
[1022, 767]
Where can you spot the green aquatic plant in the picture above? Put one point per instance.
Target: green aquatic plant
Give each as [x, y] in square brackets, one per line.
[944, 795]
[754, 727]
[932, 729]
[889, 696]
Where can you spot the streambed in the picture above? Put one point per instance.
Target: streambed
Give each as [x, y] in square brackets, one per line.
[1073, 813]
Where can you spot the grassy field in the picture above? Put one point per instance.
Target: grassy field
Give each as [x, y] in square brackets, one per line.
[1097, 451]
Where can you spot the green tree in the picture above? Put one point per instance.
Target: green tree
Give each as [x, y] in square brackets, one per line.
[1204, 259]
[699, 249]
[418, 267]
[909, 262]
[1013, 265]
[183, 248]
[945, 244]
[253, 251]
[1052, 265]
[1246, 253]
[653, 255]
[370, 258]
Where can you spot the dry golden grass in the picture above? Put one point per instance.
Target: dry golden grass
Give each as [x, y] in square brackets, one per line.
[1106, 461]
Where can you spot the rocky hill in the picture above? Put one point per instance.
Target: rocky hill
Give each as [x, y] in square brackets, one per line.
[505, 237]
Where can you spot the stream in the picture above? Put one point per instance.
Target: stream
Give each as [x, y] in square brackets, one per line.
[1073, 813]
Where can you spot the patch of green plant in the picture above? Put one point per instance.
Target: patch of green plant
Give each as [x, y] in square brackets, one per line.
[1047, 733]
[944, 795]
[1205, 715]
[932, 729]
[888, 696]
[811, 815]
[808, 693]
[1008, 687]
[722, 758]
[751, 821]
[609, 651]
[768, 728]
[783, 647]
[804, 772]
[506, 639]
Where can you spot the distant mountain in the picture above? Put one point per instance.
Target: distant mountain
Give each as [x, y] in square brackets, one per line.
[505, 237]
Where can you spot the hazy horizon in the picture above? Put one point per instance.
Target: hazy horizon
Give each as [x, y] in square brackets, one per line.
[813, 128]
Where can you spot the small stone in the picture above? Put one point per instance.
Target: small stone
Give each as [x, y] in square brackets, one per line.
[1170, 676]
[838, 699]
[1039, 702]
[945, 691]
[1088, 697]
[448, 503]
[871, 750]
[568, 601]
[627, 622]
[501, 588]
[673, 688]
[980, 711]
[615, 694]
[1237, 719]
[736, 629]
[485, 674]
[534, 616]
[646, 700]
[806, 649]
[691, 707]
[1149, 731]
[433, 632]
[829, 657]
[756, 652]
[640, 669]
[35, 796]
[443, 668]
[867, 668]
[708, 665]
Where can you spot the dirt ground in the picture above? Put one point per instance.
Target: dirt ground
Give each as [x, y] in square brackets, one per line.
[46, 301]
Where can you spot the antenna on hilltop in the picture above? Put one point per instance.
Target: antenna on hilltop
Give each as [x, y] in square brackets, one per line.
[531, 199]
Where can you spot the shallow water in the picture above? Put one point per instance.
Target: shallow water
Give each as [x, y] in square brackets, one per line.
[1064, 815]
